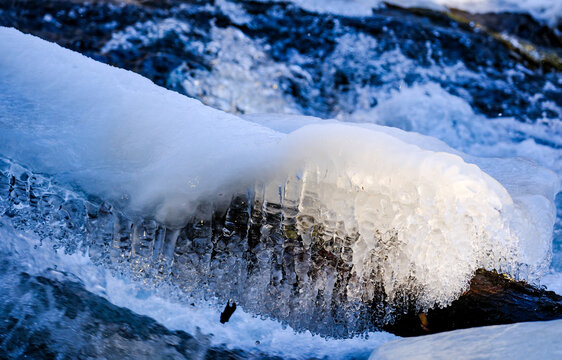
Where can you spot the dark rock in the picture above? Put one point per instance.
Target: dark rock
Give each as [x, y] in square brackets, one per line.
[493, 299]
[523, 26]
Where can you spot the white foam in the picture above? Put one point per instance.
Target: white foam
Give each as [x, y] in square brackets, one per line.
[423, 219]
[243, 78]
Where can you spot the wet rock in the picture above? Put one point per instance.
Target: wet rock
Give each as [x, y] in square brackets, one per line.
[493, 299]
[523, 26]
[228, 311]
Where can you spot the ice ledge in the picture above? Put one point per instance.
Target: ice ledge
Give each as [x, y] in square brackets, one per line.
[421, 218]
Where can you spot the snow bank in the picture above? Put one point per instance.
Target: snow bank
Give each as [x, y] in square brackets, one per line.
[419, 218]
[533, 340]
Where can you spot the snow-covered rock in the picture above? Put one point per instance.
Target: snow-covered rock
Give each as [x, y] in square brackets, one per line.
[417, 217]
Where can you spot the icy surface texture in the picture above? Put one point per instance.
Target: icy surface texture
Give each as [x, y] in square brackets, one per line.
[271, 246]
[336, 220]
[253, 254]
[533, 340]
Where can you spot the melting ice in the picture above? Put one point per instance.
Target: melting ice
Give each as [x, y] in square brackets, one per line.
[403, 216]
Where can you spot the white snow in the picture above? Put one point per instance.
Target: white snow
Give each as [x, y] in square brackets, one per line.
[425, 218]
[115, 133]
[522, 341]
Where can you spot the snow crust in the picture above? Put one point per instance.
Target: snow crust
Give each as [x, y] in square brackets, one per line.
[422, 217]
[532, 340]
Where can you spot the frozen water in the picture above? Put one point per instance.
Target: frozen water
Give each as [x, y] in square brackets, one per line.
[357, 215]
[533, 340]
[464, 100]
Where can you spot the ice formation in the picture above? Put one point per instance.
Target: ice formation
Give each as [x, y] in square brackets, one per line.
[116, 134]
[20, 254]
[344, 223]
